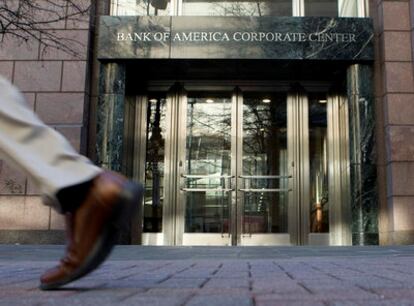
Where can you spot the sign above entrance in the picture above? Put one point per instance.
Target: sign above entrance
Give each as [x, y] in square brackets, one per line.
[185, 37]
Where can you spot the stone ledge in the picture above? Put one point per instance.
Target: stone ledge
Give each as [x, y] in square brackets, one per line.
[32, 237]
[403, 237]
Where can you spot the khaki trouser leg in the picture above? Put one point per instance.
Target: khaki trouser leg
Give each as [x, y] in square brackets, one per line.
[37, 149]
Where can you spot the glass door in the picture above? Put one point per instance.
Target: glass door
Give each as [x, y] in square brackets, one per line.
[206, 170]
[249, 166]
[263, 174]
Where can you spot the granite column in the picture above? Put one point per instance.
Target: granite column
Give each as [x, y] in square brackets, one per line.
[363, 168]
[110, 117]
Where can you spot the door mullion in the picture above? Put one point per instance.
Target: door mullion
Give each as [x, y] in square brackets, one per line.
[140, 143]
[236, 166]
[304, 161]
[173, 218]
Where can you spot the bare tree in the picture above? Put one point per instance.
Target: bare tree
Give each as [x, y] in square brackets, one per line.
[26, 20]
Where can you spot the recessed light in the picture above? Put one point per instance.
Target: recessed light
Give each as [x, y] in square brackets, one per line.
[153, 100]
[266, 100]
[323, 101]
[209, 101]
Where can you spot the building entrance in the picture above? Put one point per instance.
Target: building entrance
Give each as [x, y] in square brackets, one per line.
[243, 165]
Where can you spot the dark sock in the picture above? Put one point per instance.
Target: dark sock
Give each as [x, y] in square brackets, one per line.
[71, 197]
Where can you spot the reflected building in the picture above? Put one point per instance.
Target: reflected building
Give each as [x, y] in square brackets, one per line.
[272, 122]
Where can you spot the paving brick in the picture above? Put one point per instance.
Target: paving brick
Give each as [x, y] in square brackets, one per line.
[230, 274]
[182, 283]
[392, 293]
[288, 303]
[220, 300]
[371, 278]
[372, 303]
[152, 300]
[276, 286]
[227, 283]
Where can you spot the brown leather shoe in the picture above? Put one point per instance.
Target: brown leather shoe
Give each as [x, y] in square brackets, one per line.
[93, 227]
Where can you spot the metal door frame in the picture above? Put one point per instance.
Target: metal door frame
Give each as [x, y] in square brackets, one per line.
[298, 155]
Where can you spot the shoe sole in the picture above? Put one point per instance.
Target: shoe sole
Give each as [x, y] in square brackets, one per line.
[130, 196]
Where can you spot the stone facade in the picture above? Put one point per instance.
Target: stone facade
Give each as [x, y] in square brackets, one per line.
[394, 92]
[62, 90]
[56, 87]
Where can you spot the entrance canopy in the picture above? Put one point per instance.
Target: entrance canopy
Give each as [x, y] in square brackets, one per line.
[185, 37]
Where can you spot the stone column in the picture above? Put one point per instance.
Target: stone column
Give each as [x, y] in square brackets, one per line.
[364, 199]
[110, 116]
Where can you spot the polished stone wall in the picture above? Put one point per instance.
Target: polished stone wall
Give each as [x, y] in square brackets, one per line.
[363, 159]
[55, 86]
[394, 90]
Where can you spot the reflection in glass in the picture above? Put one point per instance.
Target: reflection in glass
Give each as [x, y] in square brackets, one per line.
[237, 8]
[154, 164]
[321, 8]
[318, 157]
[140, 7]
[208, 153]
[265, 154]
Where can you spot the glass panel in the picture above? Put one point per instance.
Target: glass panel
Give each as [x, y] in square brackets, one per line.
[140, 7]
[318, 156]
[208, 153]
[265, 154]
[237, 8]
[321, 8]
[348, 8]
[154, 164]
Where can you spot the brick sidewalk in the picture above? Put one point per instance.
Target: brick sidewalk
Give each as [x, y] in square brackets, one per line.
[377, 278]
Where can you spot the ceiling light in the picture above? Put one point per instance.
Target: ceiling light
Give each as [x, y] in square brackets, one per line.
[153, 100]
[209, 101]
[266, 100]
[323, 101]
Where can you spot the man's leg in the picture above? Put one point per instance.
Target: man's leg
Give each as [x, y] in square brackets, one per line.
[96, 202]
[38, 149]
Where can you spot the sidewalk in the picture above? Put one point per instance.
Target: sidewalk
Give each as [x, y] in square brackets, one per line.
[237, 276]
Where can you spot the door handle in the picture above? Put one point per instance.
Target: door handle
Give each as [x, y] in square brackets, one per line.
[264, 190]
